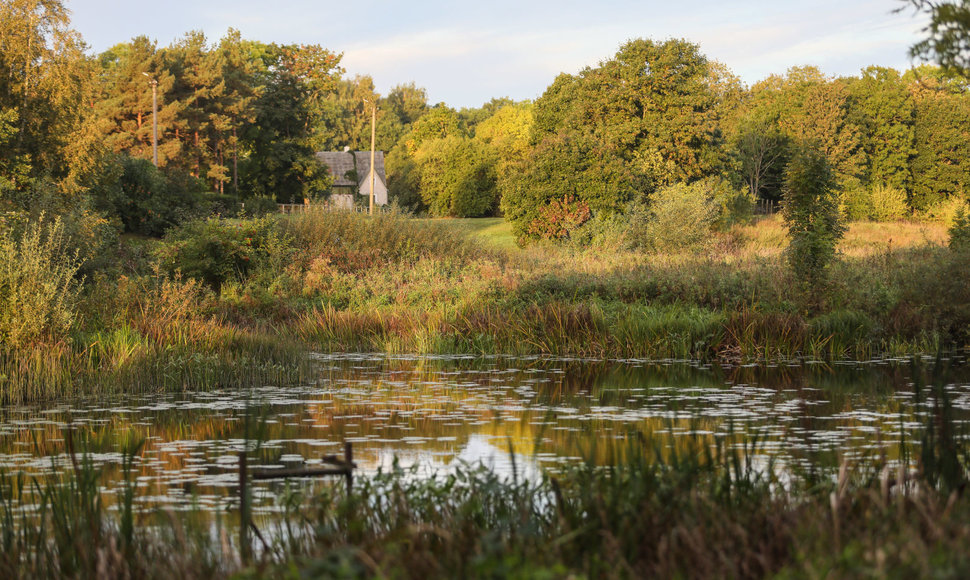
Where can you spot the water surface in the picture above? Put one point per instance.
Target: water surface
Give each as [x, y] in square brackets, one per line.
[435, 412]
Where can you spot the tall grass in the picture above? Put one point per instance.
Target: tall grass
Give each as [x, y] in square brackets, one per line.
[396, 284]
[149, 334]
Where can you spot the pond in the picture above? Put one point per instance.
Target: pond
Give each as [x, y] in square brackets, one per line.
[434, 412]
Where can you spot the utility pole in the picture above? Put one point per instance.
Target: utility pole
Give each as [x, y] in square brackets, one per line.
[373, 138]
[154, 83]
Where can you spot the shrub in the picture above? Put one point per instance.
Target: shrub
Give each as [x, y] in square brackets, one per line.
[888, 203]
[86, 230]
[857, 203]
[735, 204]
[559, 218]
[216, 250]
[945, 211]
[37, 285]
[564, 165]
[92, 237]
[679, 217]
[260, 206]
[147, 200]
[879, 203]
[811, 212]
[219, 204]
[960, 230]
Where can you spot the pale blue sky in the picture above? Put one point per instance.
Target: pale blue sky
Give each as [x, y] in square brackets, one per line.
[466, 53]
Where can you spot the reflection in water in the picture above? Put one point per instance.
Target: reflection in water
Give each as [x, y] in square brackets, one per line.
[431, 412]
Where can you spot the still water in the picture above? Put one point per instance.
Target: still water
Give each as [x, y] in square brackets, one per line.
[437, 412]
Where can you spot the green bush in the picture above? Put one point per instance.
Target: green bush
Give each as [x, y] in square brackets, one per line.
[560, 166]
[960, 230]
[679, 217]
[881, 203]
[260, 206]
[812, 214]
[888, 203]
[87, 231]
[38, 289]
[221, 205]
[857, 203]
[944, 211]
[215, 250]
[736, 204]
[147, 200]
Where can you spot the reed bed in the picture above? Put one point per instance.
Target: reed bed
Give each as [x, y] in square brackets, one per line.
[338, 282]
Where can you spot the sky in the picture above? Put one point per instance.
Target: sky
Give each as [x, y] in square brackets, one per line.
[466, 53]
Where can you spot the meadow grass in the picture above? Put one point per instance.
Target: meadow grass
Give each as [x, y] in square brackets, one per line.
[334, 282]
[492, 232]
[767, 236]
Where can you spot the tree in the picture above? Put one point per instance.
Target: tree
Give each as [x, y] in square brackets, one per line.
[44, 84]
[344, 115]
[948, 34]
[236, 107]
[761, 150]
[565, 166]
[199, 88]
[125, 102]
[440, 122]
[281, 161]
[941, 166]
[643, 119]
[654, 104]
[407, 102]
[457, 177]
[882, 108]
[817, 112]
[471, 117]
[811, 212]
[404, 179]
[508, 132]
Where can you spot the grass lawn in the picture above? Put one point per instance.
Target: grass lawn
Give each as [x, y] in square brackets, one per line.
[766, 236]
[494, 232]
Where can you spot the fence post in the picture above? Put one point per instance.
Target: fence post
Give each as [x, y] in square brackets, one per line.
[349, 462]
[244, 546]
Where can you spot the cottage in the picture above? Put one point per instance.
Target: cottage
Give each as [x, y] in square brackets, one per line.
[351, 177]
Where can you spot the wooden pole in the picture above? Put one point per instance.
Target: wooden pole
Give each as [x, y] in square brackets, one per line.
[373, 139]
[155, 122]
[349, 464]
[244, 546]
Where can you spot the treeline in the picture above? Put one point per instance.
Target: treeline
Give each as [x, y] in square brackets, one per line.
[660, 114]
[234, 117]
[241, 120]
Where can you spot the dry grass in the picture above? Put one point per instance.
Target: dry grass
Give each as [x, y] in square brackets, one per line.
[767, 237]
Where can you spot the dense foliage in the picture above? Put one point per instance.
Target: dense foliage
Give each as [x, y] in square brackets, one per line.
[244, 118]
[812, 213]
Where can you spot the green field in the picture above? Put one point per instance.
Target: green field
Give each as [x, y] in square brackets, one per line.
[493, 232]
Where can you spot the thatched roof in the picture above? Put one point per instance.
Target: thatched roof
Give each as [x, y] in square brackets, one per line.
[343, 163]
